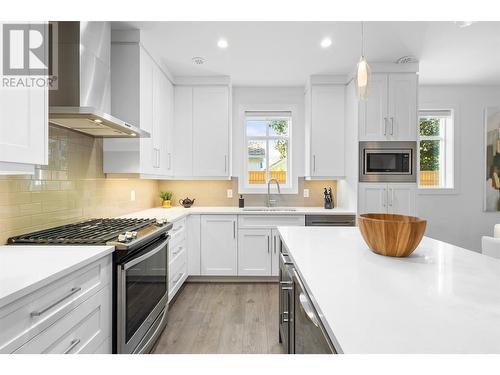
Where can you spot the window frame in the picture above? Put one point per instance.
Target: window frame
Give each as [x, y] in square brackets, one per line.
[266, 115]
[447, 150]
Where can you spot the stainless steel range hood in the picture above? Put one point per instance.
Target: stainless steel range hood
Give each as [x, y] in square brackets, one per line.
[82, 100]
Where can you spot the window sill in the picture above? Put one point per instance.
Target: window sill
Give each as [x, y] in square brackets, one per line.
[437, 191]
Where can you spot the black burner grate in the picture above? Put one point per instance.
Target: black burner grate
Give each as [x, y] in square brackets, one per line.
[92, 232]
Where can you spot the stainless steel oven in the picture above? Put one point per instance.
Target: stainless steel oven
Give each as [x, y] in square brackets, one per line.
[387, 161]
[142, 297]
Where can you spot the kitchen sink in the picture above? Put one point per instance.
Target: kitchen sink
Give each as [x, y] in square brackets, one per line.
[270, 209]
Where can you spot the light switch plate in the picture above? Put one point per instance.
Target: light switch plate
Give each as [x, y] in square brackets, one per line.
[132, 195]
[306, 193]
[229, 193]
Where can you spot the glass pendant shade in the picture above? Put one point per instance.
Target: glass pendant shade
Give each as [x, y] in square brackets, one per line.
[363, 78]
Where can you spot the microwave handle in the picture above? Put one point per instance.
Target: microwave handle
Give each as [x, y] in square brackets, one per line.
[133, 262]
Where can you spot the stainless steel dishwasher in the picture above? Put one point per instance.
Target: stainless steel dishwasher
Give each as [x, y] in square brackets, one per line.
[330, 220]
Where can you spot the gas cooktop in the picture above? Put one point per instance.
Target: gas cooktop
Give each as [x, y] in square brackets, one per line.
[121, 233]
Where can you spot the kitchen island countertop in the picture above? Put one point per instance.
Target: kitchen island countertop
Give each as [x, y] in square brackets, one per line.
[441, 299]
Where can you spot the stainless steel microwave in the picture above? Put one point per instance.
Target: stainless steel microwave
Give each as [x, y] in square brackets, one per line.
[387, 161]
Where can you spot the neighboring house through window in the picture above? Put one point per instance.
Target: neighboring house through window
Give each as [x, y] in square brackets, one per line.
[435, 146]
[267, 139]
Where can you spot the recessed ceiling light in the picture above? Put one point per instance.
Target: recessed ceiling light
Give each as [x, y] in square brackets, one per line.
[326, 42]
[222, 43]
[197, 60]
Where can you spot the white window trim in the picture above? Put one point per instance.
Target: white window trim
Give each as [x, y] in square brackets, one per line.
[292, 185]
[267, 138]
[455, 114]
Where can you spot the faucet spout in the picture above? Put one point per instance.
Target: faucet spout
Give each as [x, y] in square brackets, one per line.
[270, 201]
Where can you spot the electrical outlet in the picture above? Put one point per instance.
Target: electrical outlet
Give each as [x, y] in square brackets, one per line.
[306, 193]
[229, 193]
[132, 195]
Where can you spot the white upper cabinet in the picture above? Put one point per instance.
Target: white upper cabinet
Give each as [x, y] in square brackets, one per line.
[390, 112]
[202, 132]
[143, 95]
[23, 127]
[397, 198]
[325, 130]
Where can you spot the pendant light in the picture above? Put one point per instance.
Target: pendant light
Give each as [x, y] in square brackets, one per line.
[362, 71]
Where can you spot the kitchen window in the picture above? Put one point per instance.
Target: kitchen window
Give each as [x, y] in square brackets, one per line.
[435, 144]
[267, 149]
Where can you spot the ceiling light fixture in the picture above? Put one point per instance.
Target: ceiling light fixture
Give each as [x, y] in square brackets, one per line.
[362, 71]
[326, 42]
[222, 43]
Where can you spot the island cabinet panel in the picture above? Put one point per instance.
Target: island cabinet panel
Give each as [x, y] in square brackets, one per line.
[219, 251]
[397, 198]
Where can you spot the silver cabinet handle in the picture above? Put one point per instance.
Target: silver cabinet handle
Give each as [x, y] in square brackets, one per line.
[178, 251]
[268, 244]
[306, 306]
[385, 125]
[177, 278]
[169, 160]
[314, 163]
[286, 285]
[225, 163]
[72, 345]
[384, 198]
[274, 246]
[65, 296]
[392, 125]
[234, 229]
[283, 318]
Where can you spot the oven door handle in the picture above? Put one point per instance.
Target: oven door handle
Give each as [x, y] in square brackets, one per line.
[133, 262]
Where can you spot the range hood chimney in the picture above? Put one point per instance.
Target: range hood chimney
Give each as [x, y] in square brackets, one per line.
[82, 100]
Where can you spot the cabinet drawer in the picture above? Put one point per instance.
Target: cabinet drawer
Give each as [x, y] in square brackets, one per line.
[270, 221]
[178, 231]
[27, 317]
[177, 260]
[82, 330]
[176, 280]
[176, 251]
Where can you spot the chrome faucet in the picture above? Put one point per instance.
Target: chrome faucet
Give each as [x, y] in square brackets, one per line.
[272, 202]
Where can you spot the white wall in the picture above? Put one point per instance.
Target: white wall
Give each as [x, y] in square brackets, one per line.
[269, 98]
[459, 218]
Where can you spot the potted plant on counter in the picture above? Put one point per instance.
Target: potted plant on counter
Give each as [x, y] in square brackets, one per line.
[166, 197]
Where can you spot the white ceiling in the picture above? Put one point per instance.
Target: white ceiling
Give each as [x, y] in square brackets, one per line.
[286, 53]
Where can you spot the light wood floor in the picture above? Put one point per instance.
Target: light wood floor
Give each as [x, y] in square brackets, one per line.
[237, 318]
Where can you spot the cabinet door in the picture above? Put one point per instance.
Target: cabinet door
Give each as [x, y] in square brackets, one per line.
[327, 131]
[372, 198]
[183, 131]
[402, 104]
[146, 108]
[401, 199]
[211, 131]
[162, 123]
[276, 245]
[193, 244]
[168, 137]
[218, 245]
[254, 252]
[373, 111]
[23, 125]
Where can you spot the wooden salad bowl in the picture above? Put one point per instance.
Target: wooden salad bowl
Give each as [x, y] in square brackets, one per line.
[391, 235]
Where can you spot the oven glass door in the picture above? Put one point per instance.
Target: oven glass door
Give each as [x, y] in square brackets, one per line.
[144, 285]
[387, 162]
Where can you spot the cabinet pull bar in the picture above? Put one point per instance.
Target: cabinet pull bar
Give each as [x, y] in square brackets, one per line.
[392, 125]
[66, 296]
[72, 345]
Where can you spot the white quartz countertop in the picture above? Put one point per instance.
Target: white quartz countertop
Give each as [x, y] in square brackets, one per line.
[176, 213]
[24, 269]
[441, 299]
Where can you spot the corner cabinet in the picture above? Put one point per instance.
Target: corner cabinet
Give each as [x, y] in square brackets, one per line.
[390, 112]
[324, 104]
[202, 131]
[23, 127]
[141, 94]
[397, 198]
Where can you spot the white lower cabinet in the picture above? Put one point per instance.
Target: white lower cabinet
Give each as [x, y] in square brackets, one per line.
[177, 257]
[70, 315]
[395, 198]
[258, 252]
[219, 250]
